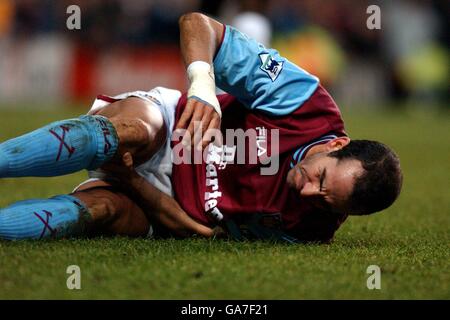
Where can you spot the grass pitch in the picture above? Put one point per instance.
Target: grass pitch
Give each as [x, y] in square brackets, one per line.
[409, 241]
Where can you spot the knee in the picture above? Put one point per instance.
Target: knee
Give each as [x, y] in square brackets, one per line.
[105, 208]
[117, 214]
[113, 213]
[137, 137]
[132, 131]
[142, 139]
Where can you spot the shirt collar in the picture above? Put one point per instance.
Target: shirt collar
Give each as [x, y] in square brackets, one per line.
[301, 152]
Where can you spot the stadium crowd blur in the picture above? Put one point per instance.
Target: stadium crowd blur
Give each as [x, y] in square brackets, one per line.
[128, 45]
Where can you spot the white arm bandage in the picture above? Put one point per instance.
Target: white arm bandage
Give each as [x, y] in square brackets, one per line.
[203, 86]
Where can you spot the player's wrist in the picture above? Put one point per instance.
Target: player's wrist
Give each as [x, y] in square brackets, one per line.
[202, 84]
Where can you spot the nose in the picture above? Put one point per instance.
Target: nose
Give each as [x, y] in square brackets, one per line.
[309, 190]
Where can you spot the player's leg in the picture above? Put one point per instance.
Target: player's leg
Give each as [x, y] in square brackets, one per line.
[56, 217]
[87, 142]
[140, 126]
[89, 212]
[60, 148]
[113, 213]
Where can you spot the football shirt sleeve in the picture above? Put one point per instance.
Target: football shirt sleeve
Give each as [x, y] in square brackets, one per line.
[259, 77]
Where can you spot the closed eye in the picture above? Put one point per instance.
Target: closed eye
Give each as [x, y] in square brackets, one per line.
[322, 179]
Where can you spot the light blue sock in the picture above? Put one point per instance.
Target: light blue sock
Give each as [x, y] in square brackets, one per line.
[57, 217]
[60, 148]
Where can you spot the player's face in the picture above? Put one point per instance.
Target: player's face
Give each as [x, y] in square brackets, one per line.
[325, 182]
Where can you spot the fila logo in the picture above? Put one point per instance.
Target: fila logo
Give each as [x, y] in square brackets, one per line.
[270, 66]
[261, 140]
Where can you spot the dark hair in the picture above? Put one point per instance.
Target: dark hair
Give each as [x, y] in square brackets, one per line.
[380, 184]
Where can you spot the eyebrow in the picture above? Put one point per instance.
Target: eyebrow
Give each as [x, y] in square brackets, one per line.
[322, 178]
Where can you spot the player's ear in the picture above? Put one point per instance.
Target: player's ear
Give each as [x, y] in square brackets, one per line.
[337, 144]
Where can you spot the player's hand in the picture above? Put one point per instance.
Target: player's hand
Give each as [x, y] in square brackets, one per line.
[199, 119]
[123, 171]
[161, 207]
[218, 233]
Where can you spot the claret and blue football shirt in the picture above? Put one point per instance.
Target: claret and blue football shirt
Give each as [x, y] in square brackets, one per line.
[285, 111]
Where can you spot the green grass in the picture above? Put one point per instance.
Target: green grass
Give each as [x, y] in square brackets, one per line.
[410, 241]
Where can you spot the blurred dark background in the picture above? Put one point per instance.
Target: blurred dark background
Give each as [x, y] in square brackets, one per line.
[129, 45]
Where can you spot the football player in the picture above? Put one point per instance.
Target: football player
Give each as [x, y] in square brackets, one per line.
[307, 178]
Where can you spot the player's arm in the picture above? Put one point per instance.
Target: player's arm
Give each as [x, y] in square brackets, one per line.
[200, 36]
[165, 209]
[156, 204]
[259, 77]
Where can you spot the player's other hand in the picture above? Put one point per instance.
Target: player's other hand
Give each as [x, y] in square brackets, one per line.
[122, 170]
[202, 123]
